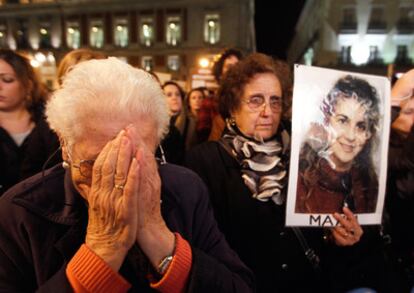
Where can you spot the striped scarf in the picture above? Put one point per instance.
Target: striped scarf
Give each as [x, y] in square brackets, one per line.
[262, 167]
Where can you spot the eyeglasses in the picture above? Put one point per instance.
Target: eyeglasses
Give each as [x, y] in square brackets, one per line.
[85, 167]
[256, 102]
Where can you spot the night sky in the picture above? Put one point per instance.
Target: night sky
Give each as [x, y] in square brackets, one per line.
[275, 22]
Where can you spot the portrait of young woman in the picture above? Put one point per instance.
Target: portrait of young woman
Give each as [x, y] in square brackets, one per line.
[337, 163]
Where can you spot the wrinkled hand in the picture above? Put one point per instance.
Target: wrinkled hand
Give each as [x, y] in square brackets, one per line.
[348, 232]
[153, 235]
[112, 210]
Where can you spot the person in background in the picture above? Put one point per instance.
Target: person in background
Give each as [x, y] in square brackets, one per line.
[26, 142]
[399, 204]
[74, 57]
[179, 111]
[246, 175]
[193, 102]
[111, 218]
[209, 118]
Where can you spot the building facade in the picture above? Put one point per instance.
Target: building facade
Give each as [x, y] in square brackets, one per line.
[371, 36]
[168, 36]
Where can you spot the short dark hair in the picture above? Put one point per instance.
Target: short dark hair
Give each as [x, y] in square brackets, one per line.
[233, 83]
[218, 65]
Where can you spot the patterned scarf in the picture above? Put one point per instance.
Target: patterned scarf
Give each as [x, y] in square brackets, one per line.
[262, 167]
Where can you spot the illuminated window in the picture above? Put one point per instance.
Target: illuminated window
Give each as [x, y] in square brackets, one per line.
[44, 33]
[147, 63]
[405, 24]
[173, 62]
[173, 30]
[345, 55]
[73, 36]
[21, 34]
[377, 22]
[96, 34]
[374, 54]
[348, 22]
[146, 31]
[3, 36]
[402, 55]
[212, 28]
[121, 36]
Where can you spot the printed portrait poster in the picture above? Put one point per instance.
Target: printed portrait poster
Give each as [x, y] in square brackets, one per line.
[340, 130]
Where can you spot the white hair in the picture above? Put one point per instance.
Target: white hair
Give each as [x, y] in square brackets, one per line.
[98, 93]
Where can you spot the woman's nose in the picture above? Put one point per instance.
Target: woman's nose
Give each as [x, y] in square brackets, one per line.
[266, 111]
[350, 133]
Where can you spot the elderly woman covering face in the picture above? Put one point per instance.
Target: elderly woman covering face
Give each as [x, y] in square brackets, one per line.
[113, 220]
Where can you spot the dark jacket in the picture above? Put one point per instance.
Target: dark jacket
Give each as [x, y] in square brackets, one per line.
[20, 162]
[256, 231]
[43, 223]
[399, 201]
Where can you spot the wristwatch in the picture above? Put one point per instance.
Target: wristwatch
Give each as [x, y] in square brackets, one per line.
[164, 264]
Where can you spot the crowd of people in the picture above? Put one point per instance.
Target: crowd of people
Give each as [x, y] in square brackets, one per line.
[101, 203]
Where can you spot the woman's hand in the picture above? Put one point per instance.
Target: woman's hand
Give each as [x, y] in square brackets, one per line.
[113, 202]
[403, 89]
[153, 235]
[348, 232]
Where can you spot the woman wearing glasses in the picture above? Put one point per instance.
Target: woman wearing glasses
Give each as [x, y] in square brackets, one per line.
[246, 173]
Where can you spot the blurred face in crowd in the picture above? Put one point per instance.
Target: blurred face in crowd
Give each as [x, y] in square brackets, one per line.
[229, 62]
[12, 92]
[195, 99]
[261, 105]
[405, 120]
[350, 127]
[174, 98]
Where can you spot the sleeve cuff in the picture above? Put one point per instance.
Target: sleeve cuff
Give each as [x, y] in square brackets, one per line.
[87, 272]
[176, 277]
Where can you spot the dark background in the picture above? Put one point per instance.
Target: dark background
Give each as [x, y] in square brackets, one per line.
[275, 22]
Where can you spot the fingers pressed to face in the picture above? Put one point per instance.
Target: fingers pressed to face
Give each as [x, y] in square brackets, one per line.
[105, 164]
[123, 161]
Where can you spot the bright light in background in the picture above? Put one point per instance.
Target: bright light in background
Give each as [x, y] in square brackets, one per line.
[34, 63]
[94, 29]
[43, 31]
[71, 30]
[119, 28]
[203, 62]
[360, 53]
[40, 57]
[398, 75]
[51, 58]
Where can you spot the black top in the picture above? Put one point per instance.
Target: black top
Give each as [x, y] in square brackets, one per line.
[256, 231]
[43, 223]
[20, 162]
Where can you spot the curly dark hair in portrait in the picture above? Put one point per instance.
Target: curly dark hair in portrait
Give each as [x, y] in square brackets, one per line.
[218, 65]
[36, 93]
[232, 86]
[348, 87]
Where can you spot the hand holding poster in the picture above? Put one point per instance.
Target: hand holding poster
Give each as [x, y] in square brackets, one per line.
[340, 135]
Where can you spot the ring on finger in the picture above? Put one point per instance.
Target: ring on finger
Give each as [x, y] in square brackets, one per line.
[119, 186]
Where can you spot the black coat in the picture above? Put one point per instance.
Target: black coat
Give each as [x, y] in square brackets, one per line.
[20, 162]
[399, 206]
[256, 231]
[43, 223]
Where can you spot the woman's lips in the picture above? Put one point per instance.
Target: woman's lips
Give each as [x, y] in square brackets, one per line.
[347, 148]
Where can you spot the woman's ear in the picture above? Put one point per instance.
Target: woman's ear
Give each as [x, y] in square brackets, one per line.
[64, 148]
